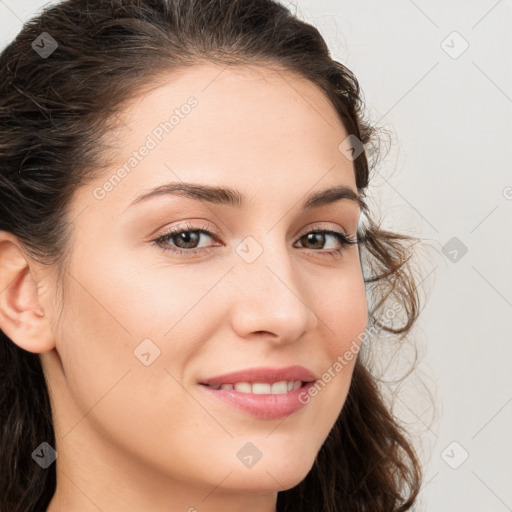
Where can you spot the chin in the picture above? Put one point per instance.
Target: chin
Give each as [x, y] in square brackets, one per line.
[268, 478]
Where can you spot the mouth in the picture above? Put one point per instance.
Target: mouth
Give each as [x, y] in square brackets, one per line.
[264, 393]
[262, 380]
[260, 388]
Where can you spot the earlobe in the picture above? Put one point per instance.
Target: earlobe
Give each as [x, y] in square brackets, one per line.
[22, 318]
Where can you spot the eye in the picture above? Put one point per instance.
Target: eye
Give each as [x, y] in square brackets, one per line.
[318, 238]
[186, 240]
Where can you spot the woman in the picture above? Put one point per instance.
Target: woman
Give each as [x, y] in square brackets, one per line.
[189, 268]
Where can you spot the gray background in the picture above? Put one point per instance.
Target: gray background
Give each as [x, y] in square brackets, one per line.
[446, 179]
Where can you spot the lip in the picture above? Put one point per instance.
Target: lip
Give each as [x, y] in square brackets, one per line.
[266, 406]
[263, 374]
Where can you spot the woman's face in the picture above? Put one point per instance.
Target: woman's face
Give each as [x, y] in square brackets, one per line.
[144, 323]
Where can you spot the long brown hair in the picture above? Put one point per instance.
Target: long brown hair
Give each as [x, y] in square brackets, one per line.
[54, 110]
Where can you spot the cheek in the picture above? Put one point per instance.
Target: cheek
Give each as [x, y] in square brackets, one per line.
[343, 313]
[121, 317]
[122, 371]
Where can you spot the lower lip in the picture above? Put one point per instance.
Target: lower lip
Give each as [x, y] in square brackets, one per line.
[266, 406]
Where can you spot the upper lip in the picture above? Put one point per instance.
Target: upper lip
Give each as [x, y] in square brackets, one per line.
[262, 374]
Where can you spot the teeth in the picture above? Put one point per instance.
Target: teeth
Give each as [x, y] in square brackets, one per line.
[259, 388]
[243, 387]
[262, 388]
[279, 388]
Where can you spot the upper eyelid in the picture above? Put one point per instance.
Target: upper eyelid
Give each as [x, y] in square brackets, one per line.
[205, 229]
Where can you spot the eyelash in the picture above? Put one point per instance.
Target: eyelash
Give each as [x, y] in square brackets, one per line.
[343, 238]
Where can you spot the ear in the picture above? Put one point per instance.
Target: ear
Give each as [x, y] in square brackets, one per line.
[22, 318]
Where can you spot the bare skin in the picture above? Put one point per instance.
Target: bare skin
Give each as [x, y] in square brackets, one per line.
[134, 437]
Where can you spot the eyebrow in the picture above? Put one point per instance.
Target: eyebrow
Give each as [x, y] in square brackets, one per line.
[231, 197]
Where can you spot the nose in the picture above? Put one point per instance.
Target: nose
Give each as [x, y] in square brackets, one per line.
[271, 300]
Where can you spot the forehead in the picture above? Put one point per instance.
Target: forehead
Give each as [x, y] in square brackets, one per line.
[254, 127]
[238, 109]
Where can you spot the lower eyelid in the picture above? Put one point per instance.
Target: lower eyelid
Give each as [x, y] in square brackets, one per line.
[161, 241]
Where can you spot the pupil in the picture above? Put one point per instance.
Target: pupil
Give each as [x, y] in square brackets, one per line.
[320, 236]
[185, 237]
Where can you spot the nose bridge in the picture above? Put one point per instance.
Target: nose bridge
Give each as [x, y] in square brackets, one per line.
[270, 297]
